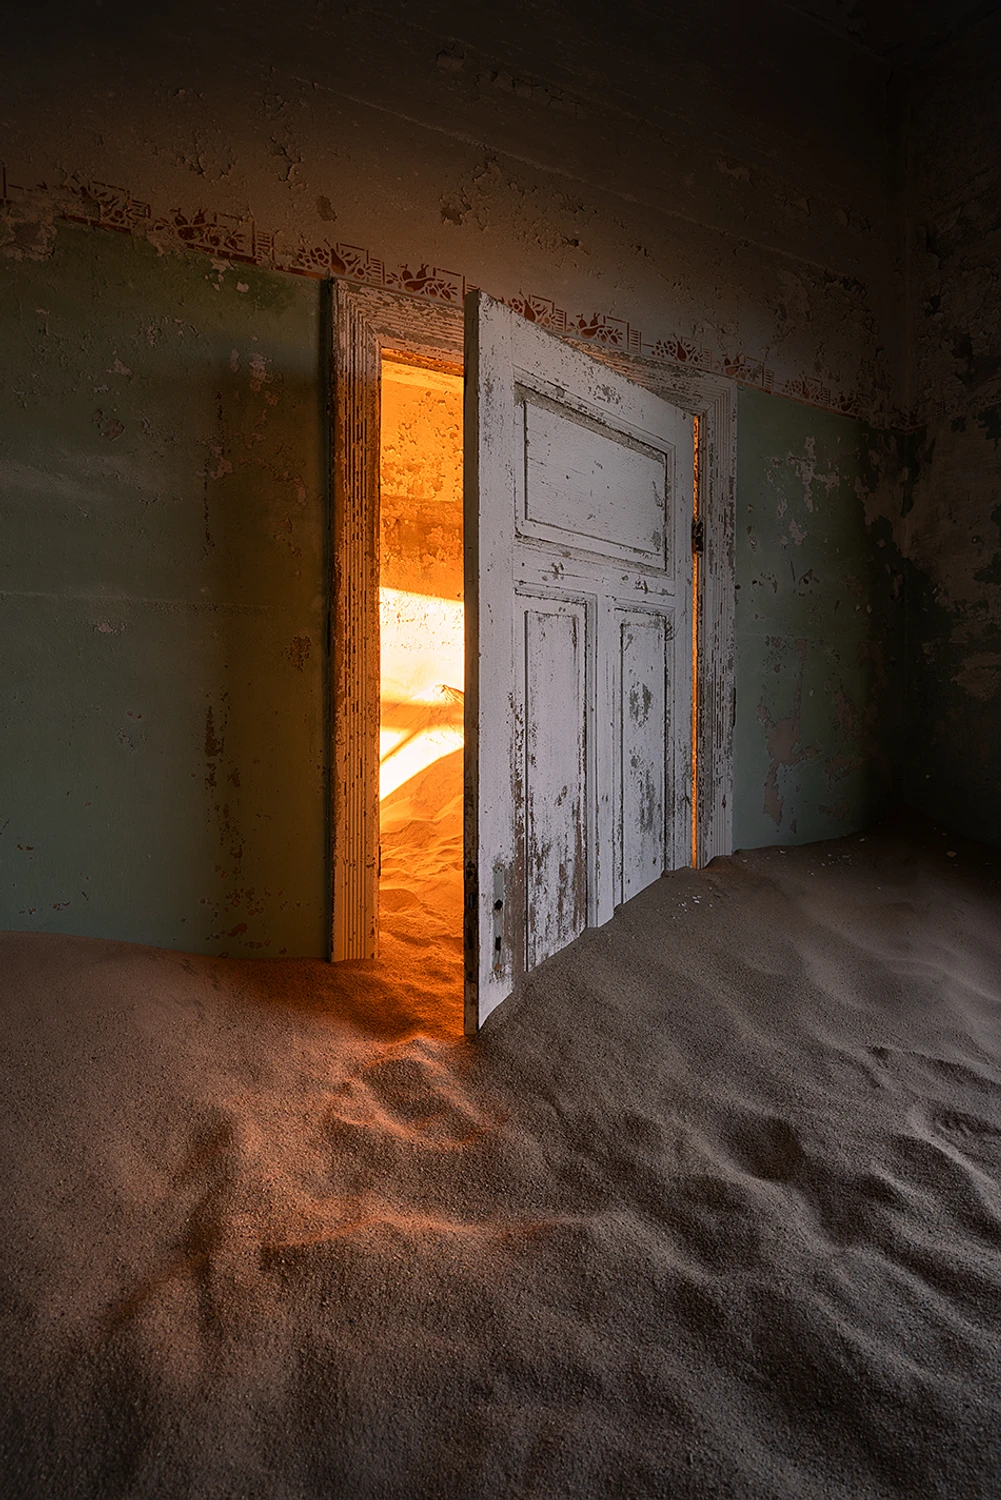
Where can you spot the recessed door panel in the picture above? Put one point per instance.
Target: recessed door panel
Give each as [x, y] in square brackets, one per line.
[577, 474]
[644, 723]
[555, 741]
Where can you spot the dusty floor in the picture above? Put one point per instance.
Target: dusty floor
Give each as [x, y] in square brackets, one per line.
[714, 1209]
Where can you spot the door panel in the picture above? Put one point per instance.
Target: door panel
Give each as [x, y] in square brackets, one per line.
[556, 811]
[643, 825]
[575, 474]
[578, 503]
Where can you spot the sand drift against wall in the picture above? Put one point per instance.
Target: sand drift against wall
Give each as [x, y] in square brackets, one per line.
[713, 1210]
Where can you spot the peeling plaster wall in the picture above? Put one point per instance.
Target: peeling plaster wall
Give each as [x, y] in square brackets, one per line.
[819, 624]
[713, 185]
[162, 601]
[953, 480]
[718, 180]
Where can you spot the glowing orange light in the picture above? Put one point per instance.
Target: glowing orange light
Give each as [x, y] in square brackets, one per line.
[421, 647]
[422, 665]
[421, 629]
[421, 633]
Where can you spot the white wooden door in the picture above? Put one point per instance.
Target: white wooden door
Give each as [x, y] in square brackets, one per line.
[578, 510]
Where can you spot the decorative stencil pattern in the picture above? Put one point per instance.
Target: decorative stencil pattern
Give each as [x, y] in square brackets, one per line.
[241, 240]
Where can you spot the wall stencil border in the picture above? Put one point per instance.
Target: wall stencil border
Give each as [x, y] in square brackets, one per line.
[28, 217]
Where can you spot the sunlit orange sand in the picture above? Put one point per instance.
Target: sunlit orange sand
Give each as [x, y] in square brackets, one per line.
[420, 893]
[421, 648]
[713, 1209]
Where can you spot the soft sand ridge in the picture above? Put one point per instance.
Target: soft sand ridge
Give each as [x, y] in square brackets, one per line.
[713, 1210]
[420, 891]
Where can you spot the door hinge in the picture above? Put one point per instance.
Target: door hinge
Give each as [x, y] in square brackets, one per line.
[698, 535]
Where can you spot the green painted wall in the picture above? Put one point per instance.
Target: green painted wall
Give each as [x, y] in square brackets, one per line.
[819, 623]
[163, 600]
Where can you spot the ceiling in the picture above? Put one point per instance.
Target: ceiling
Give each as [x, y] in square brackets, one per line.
[906, 33]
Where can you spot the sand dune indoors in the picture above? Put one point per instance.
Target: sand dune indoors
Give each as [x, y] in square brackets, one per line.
[421, 677]
[712, 1210]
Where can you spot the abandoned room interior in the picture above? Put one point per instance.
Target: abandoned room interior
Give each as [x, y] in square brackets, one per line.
[500, 815]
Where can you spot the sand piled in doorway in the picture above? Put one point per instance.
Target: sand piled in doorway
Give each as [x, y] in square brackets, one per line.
[420, 890]
[712, 1210]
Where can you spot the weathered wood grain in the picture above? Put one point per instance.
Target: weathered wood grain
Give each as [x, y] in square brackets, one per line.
[579, 490]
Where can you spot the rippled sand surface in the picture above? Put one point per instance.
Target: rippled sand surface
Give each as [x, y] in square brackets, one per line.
[712, 1209]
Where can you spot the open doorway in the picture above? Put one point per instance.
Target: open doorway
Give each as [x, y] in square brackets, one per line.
[421, 672]
[583, 592]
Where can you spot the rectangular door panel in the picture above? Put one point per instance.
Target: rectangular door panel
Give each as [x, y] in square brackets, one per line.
[644, 751]
[555, 741]
[576, 474]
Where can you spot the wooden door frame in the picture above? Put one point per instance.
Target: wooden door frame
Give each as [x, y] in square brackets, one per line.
[713, 399]
[369, 322]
